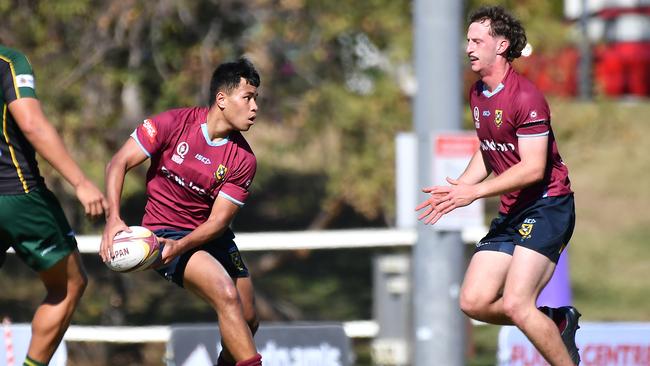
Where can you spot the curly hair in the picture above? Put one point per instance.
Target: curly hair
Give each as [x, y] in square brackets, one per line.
[502, 24]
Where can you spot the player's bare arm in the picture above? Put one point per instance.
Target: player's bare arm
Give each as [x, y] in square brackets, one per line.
[222, 213]
[48, 144]
[129, 156]
[530, 170]
[533, 152]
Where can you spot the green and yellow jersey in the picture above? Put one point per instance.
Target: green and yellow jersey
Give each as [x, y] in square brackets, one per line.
[18, 166]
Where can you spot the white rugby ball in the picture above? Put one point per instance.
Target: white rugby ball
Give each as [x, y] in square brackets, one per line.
[134, 251]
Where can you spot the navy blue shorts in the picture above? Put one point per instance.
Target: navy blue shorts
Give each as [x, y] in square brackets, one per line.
[545, 226]
[222, 249]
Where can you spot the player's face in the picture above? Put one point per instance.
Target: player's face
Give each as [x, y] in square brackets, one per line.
[482, 48]
[241, 106]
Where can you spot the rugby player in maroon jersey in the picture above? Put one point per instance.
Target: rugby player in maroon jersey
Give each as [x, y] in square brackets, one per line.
[200, 173]
[517, 257]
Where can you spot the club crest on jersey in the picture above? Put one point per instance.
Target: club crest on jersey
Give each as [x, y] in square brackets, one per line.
[181, 151]
[220, 173]
[498, 117]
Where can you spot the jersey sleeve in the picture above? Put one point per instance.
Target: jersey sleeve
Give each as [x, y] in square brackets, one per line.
[236, 187]
[17, 76]
[153, 133]
[534, 115]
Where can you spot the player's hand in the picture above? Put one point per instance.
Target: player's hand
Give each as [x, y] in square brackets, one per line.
[445, 199]
[113, 226]
[91, 198]
[171, 249]
[430, 213]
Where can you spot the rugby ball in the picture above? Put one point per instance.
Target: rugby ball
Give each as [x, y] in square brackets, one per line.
[134, 251]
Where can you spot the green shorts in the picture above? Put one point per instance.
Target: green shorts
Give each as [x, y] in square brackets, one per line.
[35, 226]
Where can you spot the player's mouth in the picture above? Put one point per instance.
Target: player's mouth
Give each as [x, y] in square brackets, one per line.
[472, 58]
[251, 119]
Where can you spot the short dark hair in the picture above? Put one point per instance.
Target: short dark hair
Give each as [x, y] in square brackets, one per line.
[502, 24]
[228, 75]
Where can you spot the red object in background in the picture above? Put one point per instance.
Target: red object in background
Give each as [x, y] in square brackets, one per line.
[621, 68]
[552, 74]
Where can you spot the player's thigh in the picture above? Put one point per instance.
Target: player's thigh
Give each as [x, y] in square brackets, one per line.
[529, 272]
[485, 277]
[206, 277]
[66, 274]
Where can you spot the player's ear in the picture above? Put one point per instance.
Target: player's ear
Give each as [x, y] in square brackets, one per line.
[502, 46]
[220, 100]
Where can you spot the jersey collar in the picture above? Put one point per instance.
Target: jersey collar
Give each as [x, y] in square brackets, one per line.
[204, 129]
[489, 94]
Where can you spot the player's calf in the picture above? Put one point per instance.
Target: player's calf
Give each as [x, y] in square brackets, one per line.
[566, 318]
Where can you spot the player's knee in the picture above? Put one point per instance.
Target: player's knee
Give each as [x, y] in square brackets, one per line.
[471, 304]
[227, 294]
[79, 283]
[515, 308]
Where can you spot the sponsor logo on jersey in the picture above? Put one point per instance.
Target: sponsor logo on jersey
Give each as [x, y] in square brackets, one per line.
[150, 129]
[181, 151]
[498, 117]
[486, 113]
[533, 114]
[220, 173]
[491, 145]
[25, 81]
[181, 182]
[476, 114]
[203, 159]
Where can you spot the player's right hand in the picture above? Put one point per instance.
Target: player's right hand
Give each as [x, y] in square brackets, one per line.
[113, 226]
[91, 198]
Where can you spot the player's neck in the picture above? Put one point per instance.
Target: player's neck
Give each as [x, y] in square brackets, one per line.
[495, 75]
[218, 129]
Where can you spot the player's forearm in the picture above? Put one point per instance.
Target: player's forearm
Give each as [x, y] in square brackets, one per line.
[209, 230]
[476, 171]
[517, 177]
[115, 173]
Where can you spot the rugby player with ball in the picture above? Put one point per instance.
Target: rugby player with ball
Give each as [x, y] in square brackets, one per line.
[200, 173]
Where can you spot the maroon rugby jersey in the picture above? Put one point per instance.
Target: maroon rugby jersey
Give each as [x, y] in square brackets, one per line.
[512, 111]
[188, 170]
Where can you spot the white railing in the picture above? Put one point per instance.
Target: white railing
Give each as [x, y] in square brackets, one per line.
[161, 333]
[285, 240]
[315, 239]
